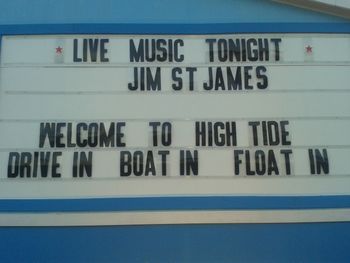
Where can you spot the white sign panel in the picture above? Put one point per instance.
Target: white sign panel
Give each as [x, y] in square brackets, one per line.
[126, 115]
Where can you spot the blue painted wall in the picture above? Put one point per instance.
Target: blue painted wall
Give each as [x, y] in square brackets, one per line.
[153, 11]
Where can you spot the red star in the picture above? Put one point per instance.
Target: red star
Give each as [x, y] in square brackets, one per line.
[308, 49]
[59, 50]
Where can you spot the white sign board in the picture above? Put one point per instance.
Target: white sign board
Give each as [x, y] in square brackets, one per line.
[126, 115]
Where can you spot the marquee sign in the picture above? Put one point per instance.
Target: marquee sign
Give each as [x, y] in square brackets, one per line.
[126, 115]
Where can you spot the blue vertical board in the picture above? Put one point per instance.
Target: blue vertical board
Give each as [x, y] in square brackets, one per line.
[307, 243]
